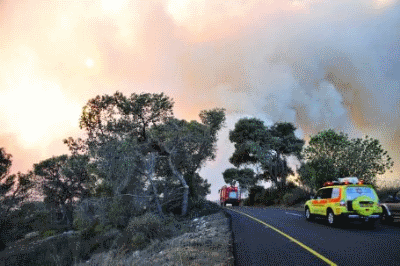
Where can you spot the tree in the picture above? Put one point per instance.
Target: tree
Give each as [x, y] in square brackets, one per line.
[124, 133]
[245, 177]
[14, 189]
[332, 155]
[268, 147]
[117, 129]
[64, 179]
[117, 116]
[5, 163]
[189, 145]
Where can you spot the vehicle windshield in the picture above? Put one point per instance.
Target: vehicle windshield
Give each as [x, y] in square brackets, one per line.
[355, 192]
[232, 195]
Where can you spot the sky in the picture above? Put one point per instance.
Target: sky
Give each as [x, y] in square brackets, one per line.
[318, 64]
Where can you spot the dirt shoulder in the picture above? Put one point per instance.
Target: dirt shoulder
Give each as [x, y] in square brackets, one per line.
[208, 242]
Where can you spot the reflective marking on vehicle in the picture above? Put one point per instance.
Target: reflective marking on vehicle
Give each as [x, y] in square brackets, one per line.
[290, 238]
[294, 214]
[387, 209]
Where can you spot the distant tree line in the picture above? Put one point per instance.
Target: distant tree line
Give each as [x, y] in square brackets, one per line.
[328, 156]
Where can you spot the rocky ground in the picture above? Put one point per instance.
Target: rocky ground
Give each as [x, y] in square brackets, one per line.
[207, 242]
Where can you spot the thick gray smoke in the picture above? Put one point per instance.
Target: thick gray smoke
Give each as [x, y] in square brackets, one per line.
[318, 64]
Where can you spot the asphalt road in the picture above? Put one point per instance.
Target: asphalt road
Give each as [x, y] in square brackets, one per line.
[300, 242]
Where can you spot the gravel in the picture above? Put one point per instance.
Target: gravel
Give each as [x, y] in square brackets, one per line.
[207, 242]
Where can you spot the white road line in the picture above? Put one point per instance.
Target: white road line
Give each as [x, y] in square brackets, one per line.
[294, 214]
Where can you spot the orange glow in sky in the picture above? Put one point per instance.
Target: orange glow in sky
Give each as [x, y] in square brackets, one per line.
[319, 64]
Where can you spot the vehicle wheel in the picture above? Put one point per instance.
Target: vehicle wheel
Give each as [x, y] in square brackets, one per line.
[332, 218]
[309, 216]
[386, 218]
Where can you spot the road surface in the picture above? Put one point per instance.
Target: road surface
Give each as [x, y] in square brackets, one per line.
[286, 238]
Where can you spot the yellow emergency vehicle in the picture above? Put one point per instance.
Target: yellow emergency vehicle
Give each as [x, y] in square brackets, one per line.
[345, 200]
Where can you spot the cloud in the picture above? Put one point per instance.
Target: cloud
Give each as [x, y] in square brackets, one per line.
[318, 64]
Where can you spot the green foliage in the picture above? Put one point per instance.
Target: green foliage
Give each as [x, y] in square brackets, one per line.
[149, 224]
[141, 230]
[138, 240]
[80, 223]
[295, 196]
[267, 147]
[42, 221]
[119, 212]
[101, 228]
[103, 190]
[288, 199]
[105, 117]
[270, 196]
[202, 207]
[64, 178]
[318, 171]
[5, 163]
[198, 187]
[245, 177]
[48, 233]
[255, 195]
[332, 155]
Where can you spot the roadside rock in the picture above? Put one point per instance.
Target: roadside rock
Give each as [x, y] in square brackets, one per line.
[56, 250]
[32, 235]
[208, 242]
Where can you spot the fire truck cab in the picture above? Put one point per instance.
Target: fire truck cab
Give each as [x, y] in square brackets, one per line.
[229, 195]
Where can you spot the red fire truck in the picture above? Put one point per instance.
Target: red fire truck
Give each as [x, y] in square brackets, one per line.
[229, 195]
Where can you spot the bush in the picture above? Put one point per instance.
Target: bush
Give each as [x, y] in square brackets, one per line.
[288, 199]
[202, 207]
[150, 224]
[141, 230]
[42, 221]
[48, 233]
[81, 221]
[295, 196]
[120, 211]
[139, 240]
[271, 196]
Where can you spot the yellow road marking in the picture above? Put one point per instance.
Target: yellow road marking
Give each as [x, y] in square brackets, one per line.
[289, 237]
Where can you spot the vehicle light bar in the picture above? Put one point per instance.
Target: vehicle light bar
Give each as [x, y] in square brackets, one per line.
[350, 180]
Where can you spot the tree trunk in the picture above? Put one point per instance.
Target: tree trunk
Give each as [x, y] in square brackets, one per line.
[185, 186]
[150, 173]
[156, 196]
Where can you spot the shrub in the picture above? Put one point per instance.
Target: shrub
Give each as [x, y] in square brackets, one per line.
[42, 221]
[120, 211]
[48, 233]
[81, 221]
[295, 196]
[142, 229]
[271, 196]
[290, 185]
[139, 240]
[150, 224]
[201, 207]
[288, 199]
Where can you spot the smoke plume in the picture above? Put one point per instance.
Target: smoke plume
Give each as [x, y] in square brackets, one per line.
[318, 64]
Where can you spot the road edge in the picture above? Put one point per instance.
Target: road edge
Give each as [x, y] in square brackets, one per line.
[232, 245]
